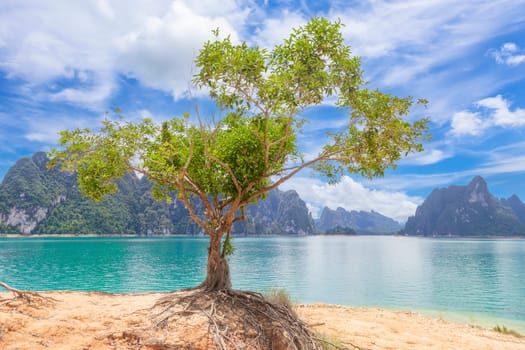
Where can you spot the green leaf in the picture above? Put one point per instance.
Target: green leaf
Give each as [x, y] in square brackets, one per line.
[225, 165]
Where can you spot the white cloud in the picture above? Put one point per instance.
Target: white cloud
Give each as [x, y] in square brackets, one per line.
[91, 97]
[434, 29]
[467, 123]
[161, 52]
[427, 157]
[154, 41]
[499, 163]
[50, 41]
[515, 60]
[419, 47]
[105, 9]
[412, 182]
[46, 130]
[502, 115]
[352, 195]
[504, 165]
[142, 114]
[235, 10]
[146, 114]
[509, 54]
[275, 29]
[509, 47]
[499, 114]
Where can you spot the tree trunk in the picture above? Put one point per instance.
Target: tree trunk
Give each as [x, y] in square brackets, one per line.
[218, 272]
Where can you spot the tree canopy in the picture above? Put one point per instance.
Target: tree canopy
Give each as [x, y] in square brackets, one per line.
[252, 147]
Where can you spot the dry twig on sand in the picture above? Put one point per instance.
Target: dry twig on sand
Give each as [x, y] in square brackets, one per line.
[26, 296]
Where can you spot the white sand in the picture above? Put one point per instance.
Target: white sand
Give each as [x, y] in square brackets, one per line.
[106, 321]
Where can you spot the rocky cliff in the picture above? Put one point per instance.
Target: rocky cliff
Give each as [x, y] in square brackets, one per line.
[280, 212]
[34, 199]
[469, 210]
[517, 206]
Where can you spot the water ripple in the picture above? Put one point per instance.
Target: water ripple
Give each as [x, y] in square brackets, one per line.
[475, 276]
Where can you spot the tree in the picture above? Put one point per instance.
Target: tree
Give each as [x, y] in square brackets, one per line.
[224, 165]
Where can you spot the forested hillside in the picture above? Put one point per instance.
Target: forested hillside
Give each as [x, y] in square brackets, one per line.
[34, 199]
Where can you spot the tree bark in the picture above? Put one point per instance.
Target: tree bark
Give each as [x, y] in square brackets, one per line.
[218, 272]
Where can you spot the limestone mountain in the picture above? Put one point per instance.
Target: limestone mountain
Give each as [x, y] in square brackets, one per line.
[469, 210]
[516, 205]
[28, 191]
[34, 199]
[280, 212]
[361, 222]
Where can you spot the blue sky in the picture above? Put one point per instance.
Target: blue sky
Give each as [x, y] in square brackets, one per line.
[63, 63]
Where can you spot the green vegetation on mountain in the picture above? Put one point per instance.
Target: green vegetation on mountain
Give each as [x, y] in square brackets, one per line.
[57, 206]
[340, 230]
[78, 214]
[28, 185]
[7, 229]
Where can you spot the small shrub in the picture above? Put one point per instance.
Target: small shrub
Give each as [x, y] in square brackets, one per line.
[504, 330]
[279, 297]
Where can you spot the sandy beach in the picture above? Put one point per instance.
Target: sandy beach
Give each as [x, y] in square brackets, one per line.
[75, 320]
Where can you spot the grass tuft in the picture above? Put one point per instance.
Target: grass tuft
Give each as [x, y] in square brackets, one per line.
[279, 297]
[504, 330]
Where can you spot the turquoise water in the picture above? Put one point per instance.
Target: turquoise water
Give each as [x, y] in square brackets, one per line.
[472, 277]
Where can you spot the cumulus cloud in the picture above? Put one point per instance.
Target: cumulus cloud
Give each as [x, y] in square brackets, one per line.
[502, 115]
[427, 157]
[498, 113]
[161, 53]
[49, 42]
[467, 123]
[274, 29]
[156, 41]
[153, 41]
[509, 54]
[352, 195]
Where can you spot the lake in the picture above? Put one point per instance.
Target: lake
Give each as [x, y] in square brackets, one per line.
[476, 279]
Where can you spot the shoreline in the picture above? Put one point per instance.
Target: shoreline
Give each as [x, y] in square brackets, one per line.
[102, 320]
[475, 319]
[116, 235]
[468, 318]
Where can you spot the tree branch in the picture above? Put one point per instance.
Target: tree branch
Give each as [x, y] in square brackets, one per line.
[242, 217]
[293, 172]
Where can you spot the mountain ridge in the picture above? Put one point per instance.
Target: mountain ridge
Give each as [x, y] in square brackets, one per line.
[469, 210]
[36, 200]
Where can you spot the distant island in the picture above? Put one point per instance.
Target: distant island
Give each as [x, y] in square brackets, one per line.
[36, 200]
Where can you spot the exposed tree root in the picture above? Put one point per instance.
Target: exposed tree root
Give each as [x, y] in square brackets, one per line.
[240, 320]
[29, 297]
